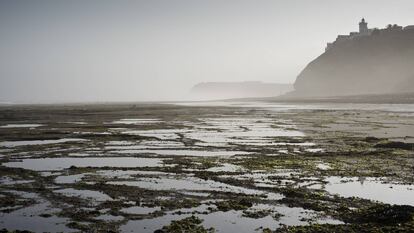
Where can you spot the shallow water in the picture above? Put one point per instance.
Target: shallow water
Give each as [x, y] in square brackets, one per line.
[109, 218]
[226, 167]
[121, 174]
[242, 131]
[219, 132]
[9, 181]
[192, 184]
[137, 121]
[94, 196]
[371, 188]
[140, 210]
[202, 153]
[162, 134]
[323, 166]
[120, 145]
[21, 126]
[71, 179]
[28, 218]
[39, 142]
[230, 221]
[52, 164]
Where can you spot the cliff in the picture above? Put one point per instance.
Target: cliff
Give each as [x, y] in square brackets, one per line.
[227, 90]
[382, 62]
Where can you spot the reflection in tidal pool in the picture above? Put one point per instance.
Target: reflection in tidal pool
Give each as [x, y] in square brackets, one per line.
[371, 188]
[50, 164]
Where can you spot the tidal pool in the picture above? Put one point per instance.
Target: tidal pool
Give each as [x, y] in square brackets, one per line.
[53, 164]
[226, 167]
[20, 126]
[70, 179]
[162, 134]
[29, 218]
[109, 218]
[230, 221]
[137, 121]
[247, 131]
[204, 153]
[140, 210]
[323, 166]
[219, 132]
[120, 145]
[193, 184]
[10, 181]
[371, 188]
[94, 196]
[39, 142]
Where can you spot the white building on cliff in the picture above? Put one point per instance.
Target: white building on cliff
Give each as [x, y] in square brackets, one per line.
[363, 31]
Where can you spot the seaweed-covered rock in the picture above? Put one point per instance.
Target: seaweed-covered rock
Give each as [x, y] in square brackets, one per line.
[187, 225]
[396, 145]
[372, 139]
[240, 204]
[256, 214]
[16, 231]
[385, 214]
[345, 228]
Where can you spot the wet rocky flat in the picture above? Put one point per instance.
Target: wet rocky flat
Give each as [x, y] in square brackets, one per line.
[207, 167]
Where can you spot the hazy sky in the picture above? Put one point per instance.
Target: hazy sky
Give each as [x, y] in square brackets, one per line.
[96, 50]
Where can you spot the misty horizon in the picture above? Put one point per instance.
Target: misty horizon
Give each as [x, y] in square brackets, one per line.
[194, 116]
[77, 51]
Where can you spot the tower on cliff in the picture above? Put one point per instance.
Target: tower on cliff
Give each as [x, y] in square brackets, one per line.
[363, 27]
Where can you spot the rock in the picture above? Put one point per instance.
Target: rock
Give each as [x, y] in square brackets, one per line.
[374, 64]
[396, 145]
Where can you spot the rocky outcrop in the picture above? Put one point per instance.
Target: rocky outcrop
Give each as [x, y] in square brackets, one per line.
[382, 62]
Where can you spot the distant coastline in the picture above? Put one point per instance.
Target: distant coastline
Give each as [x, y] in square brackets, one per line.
[394, 98]
[225, 90]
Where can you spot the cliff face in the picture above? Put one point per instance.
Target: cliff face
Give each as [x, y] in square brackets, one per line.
[380, 63]
[227, 90]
